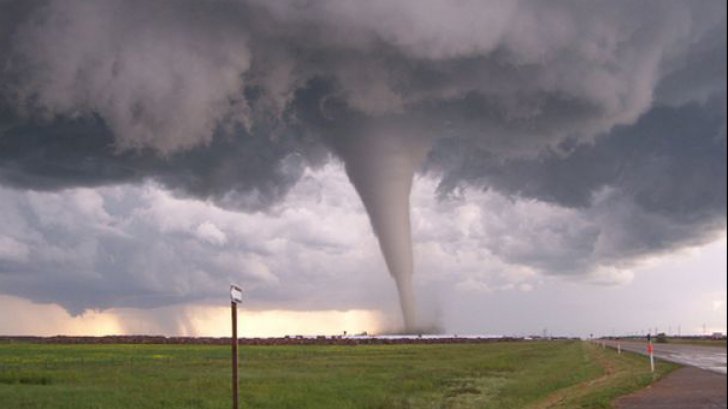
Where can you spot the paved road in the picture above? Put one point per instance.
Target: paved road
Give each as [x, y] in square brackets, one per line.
[703, 357]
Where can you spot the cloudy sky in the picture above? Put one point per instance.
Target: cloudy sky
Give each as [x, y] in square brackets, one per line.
[554, 167]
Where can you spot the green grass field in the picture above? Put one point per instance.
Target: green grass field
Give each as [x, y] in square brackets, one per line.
[495, 375]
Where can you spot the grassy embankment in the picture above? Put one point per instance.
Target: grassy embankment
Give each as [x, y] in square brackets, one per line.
[497, 375]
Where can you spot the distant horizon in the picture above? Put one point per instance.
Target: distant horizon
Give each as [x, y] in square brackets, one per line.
[720, 335]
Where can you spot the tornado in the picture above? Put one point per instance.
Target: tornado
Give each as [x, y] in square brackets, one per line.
[381, 166]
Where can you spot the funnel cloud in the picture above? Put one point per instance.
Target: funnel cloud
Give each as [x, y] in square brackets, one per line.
[609, 115]
[382, 165]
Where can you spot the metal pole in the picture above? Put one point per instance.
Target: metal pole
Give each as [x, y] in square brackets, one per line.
[234, 343]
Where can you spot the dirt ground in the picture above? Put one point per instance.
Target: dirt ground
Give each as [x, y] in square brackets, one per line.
[686, 388]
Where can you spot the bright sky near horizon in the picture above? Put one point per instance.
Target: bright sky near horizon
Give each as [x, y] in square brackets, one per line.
[502, 167]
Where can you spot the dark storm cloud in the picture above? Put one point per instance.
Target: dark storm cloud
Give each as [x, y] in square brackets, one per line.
[514, 77]
[245, 171]
[616, 109]
[668, 170]
[662, 160]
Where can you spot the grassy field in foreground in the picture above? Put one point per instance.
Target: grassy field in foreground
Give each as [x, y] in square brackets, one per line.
[497, 375]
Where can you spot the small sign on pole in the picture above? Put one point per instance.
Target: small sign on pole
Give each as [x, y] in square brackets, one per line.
[236, 297]
[236, 294]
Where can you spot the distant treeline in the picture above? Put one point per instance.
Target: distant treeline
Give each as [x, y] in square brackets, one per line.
[288, 340]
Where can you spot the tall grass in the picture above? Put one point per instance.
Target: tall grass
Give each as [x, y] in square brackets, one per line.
[494, 375]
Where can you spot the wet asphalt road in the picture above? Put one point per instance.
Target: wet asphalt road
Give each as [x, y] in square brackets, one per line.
[704, 357]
